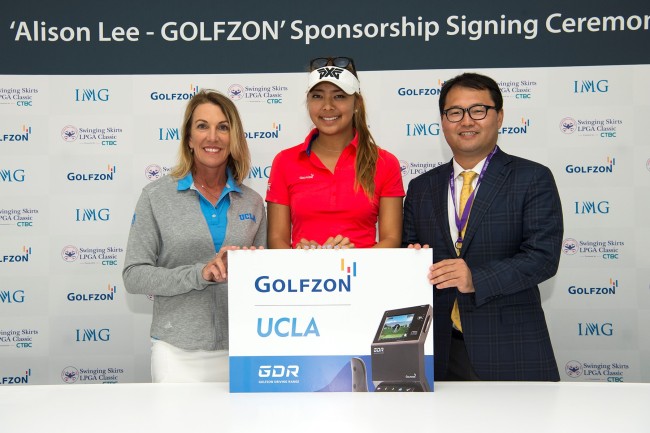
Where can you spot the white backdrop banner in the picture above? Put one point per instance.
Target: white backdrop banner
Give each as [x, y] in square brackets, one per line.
[90, 114]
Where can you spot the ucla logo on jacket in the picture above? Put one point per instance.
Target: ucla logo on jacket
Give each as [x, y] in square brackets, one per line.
[247, 216]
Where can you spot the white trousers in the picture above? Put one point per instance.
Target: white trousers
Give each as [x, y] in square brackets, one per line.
[173, 365]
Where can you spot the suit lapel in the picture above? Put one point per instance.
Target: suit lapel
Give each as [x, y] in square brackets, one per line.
[440, 194]
[493, 180]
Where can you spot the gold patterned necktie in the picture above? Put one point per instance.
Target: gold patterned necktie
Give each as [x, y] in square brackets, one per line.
[465, 192]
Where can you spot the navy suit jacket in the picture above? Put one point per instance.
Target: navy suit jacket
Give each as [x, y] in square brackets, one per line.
[512, 243]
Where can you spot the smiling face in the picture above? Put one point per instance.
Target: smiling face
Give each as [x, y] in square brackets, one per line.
[471, 140]
[209, 137]
[331, 109]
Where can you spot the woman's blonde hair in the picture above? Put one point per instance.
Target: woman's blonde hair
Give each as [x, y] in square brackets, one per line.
[239, 160]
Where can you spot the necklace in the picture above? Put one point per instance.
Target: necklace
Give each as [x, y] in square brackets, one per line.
[205, 189]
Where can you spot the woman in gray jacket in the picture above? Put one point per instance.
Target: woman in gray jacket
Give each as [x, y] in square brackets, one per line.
[184, 224]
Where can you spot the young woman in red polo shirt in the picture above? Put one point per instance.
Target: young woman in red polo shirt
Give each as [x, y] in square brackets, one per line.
[337, 189]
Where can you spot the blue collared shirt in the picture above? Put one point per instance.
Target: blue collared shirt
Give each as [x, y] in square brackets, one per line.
[215, 216]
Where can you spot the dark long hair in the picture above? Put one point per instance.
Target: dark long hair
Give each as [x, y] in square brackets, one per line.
[367, 150]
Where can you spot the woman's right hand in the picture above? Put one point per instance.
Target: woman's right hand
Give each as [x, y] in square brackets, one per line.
[338, 241]
[334, 242]
[217, 269]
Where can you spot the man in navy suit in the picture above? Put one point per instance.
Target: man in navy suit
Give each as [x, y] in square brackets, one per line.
[488, 262]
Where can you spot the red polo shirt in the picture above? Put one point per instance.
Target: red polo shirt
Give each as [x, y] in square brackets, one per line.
[325, 204]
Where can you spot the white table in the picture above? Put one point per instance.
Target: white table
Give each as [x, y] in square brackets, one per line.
[477, 407]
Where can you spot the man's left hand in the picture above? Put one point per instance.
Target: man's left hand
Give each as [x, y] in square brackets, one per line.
[451, 273]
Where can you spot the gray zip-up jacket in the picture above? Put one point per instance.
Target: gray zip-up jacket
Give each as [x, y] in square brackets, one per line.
[169, 244]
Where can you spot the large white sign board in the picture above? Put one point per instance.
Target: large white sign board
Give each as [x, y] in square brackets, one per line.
[304, 320]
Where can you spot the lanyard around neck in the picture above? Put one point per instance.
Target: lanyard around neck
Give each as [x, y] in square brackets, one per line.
[461, 220]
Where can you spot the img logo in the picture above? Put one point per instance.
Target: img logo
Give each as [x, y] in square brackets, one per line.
[23, 135]
[591, 86]
[595, 329]
[258, 172]
[17, 258]
[12, 296]
[8, 175]
[274, 132]
[573, 369]
[82, 215]
[523, 129]
[69, 133]
[168, 134]
[592, 207]
[92, 335]
[422, 129]
[17, 380]
[91, 95]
